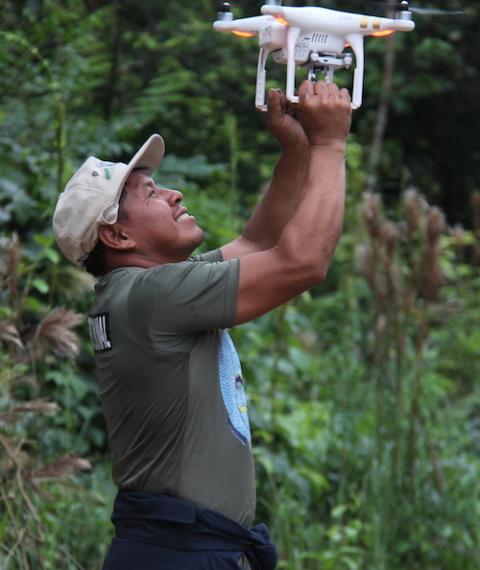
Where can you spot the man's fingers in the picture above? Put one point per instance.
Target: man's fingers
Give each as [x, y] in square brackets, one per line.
[274, 103]
[345, 95]
[291, 108]
[333, 90]
[283, 100]
[322, 91]
[324, 111]
[306, 90]
[326, 92]
[321, 87]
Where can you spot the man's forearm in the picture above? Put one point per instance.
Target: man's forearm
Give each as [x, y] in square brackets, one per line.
[281, 199]
[313, 231]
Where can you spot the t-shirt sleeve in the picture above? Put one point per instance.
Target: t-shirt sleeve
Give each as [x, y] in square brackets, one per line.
[214, 255]
[187, 297]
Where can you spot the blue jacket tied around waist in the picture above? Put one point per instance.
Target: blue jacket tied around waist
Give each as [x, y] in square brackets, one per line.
[159, 532]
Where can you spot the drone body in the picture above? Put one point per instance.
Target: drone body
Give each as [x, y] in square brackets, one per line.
[311, 36]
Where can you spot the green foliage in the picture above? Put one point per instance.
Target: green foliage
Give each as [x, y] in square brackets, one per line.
[76, 522]
[363, 392]
[37, 435]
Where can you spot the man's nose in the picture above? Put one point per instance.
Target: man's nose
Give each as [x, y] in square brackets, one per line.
[172, 196]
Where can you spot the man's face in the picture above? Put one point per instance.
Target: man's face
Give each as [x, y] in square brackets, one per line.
[158, 222]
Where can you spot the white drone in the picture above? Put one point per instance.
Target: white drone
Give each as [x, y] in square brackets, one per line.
[310, 36]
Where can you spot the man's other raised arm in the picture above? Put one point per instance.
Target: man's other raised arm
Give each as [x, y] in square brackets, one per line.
[284, 192]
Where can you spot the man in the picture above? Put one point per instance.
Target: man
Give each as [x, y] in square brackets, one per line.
[170, 379]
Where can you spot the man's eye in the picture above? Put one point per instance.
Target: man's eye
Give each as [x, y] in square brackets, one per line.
[152, 193]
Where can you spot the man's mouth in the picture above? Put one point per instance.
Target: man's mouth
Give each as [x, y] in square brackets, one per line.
[182, 214]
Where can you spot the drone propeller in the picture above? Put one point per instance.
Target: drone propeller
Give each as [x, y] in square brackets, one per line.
[225, 6]
[437, 12]
[430, 11]
[406, 6]
[225, 13]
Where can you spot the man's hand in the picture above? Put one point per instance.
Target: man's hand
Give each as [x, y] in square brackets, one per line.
[282, 121]
[324, 111]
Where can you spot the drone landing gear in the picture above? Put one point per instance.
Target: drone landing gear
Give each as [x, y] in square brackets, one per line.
[327, 65]
[317, 63]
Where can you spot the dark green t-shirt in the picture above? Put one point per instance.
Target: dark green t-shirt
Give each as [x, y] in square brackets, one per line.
[171, 384]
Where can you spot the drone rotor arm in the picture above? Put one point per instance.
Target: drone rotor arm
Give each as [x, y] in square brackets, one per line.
[251, 25]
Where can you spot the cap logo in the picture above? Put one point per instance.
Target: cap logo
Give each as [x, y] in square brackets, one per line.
[94, 173]
[106, 171]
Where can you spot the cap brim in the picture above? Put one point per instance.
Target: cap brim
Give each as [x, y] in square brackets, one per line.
[149, 157]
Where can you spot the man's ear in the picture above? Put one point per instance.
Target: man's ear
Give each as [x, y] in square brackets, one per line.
[116, 237]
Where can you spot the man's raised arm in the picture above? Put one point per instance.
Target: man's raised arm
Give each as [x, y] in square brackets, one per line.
[286, 187]
[302, 254]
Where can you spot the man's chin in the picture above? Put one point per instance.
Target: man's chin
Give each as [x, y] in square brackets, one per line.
[196, 242]
[201, 236]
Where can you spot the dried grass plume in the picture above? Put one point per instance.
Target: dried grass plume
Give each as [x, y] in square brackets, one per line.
[55, 332]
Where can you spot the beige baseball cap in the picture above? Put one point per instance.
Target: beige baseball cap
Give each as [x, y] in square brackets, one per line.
[91, 197]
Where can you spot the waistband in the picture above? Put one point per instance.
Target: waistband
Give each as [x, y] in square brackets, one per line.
[181, 525]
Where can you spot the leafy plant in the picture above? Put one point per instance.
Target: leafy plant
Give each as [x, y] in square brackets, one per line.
[33, 343]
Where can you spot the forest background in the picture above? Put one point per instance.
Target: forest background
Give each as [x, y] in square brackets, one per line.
[364, 392]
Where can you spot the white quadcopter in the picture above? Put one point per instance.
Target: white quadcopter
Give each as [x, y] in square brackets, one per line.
[310, 36]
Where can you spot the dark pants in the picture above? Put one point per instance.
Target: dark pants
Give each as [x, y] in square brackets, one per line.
[156, 532]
